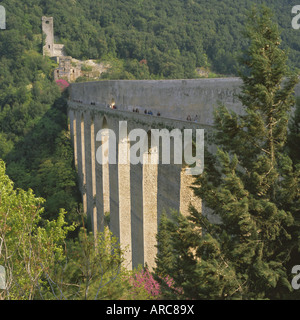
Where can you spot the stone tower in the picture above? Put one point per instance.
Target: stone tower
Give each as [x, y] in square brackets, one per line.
[57, 52]
[51, 49]
[47, 27]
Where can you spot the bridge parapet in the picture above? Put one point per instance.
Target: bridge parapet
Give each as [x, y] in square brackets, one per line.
[137, 195]
[173, 99]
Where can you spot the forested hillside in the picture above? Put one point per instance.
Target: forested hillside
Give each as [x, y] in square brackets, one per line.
[151, 39]
[173, 37]
[139, 38]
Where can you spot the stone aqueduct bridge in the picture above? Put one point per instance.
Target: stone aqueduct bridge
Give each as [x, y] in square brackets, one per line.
[137, 195]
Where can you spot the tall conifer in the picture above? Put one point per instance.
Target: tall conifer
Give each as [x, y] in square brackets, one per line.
[251, 185]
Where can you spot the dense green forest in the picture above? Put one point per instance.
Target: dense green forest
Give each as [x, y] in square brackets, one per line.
[172, 38]
[251, 182]
[141, 39]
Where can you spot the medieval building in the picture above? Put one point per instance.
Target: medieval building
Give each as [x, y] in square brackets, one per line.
[55, 51]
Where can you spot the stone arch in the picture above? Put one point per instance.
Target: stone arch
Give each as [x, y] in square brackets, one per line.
[93, 176]
[150, 180]
[82, 129]
[105, 169]
[152, 148]
[149, 141]
[187, 180]
[73, 133]
[124, 194]
[168, 145]
[104, 123]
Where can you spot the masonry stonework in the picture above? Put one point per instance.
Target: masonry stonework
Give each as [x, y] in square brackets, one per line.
[137, 195]
[66, 69]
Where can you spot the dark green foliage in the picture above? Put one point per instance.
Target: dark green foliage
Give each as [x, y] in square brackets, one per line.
[174, 258]
[92, 270]
[250, 184]
[174, 37]
[34, 139]
[294, 134]
[42, 159]
[165, 258]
